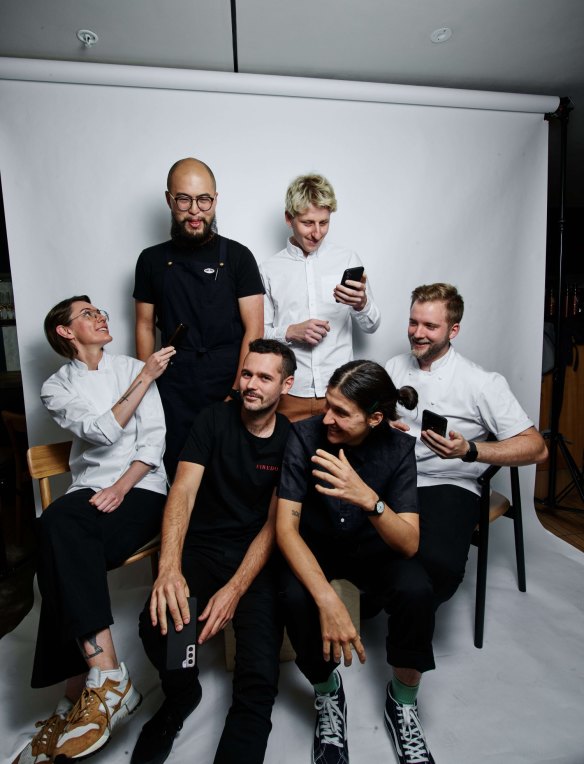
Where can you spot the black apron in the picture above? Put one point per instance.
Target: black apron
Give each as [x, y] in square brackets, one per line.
[198, 291]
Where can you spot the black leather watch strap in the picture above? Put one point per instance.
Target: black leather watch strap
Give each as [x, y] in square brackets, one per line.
[377, 511]
[472, 453]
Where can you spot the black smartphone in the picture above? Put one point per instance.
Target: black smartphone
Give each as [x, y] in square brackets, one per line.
[352, 274]
[181, 646]
[177, 335]
[434, 422]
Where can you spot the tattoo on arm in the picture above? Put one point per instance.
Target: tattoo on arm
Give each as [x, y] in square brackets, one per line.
[129, 392]
[295, 513]
[94, 649]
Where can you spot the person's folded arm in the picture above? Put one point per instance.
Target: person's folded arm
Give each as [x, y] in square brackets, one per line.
[398, 530]
[109, 498]
[527, 447]
[73, 412]
[337, 629]
[170, 588]
[221, 606]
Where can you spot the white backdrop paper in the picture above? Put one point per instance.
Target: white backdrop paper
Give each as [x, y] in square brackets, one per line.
[426, 193]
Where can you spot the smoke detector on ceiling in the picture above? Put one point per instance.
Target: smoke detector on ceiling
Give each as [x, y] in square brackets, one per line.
[87, 37]
[441, 35]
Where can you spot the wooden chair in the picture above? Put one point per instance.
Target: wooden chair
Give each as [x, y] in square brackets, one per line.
[47, 461]
[492, 506]
[347, 591]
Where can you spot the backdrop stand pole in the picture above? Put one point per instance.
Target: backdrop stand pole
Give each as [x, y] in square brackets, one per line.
[554, 436]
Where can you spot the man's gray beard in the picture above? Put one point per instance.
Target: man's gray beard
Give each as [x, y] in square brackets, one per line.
[192, 241]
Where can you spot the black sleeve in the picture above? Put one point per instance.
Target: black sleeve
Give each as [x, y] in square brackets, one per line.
[247, 274]
[401, 494]
[143, 281]
[199, 444]
[296, 470]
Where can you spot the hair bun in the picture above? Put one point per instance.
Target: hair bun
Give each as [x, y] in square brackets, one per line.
[407, 397]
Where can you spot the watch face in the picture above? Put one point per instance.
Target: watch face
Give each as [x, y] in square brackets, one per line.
[379, 507]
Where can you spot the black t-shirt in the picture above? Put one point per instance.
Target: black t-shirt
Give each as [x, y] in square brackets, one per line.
[241, 472]
[240, 268]
[385, 461]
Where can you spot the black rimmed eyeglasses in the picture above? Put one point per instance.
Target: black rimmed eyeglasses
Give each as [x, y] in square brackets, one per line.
[184, 202]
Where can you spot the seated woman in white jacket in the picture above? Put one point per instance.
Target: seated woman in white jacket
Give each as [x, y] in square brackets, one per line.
[114, 505]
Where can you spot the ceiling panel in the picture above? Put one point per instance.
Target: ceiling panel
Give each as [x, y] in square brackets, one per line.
[179, 33]
[496, 44]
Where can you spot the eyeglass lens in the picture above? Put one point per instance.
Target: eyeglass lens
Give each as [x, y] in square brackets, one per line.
[185, 202]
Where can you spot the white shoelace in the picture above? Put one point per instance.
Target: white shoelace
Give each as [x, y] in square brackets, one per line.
[331, 722]
[412, 735]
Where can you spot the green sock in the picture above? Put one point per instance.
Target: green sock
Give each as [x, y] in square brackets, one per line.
[331, 685]
[404, 693]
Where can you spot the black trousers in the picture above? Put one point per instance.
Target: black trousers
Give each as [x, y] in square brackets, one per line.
[258, 635]
[448, 516]
[401, 586]
[77, 546]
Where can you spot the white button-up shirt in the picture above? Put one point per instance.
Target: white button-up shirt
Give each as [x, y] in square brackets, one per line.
[299, 287]
[80, 401]
[475, 402]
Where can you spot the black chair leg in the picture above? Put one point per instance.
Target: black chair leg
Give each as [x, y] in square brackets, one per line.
[483, 556]
[518, 529]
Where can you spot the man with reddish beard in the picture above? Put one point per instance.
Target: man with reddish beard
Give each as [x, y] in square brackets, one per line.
[206, 282]
[476, 403]
[218, 532]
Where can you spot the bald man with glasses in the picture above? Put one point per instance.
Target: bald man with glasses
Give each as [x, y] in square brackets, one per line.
[206, 282]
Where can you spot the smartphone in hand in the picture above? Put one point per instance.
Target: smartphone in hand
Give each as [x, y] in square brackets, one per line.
[352, 274]
[434, 422]
[181, 646]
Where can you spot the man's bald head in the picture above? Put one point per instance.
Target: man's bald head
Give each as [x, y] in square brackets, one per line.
[188, 166]
[192, 199]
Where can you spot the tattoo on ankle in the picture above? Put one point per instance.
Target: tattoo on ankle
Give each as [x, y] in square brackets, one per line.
[94, 650]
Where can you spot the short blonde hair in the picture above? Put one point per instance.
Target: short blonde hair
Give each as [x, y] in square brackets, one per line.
[309, 189]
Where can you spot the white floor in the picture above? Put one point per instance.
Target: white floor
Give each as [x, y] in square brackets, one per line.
[519, 700]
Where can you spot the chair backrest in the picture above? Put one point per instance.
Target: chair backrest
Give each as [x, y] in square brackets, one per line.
[46, 461]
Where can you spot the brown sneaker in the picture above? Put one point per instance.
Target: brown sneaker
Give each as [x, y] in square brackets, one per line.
[42, 747]
[103, 704]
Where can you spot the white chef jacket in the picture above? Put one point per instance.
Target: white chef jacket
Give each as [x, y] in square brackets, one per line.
[299, 287]
[80, 400]
[474, 401]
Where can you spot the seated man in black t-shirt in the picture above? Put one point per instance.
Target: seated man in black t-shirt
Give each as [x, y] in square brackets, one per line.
[218, 533]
